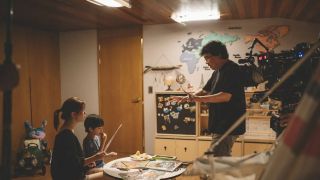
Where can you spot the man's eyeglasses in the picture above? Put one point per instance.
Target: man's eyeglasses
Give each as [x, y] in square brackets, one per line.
[207, 57]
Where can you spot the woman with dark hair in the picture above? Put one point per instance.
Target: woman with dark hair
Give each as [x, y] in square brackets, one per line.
[68, 161]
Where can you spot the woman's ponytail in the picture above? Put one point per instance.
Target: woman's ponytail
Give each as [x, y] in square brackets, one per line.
[70, 105]
[56, 119]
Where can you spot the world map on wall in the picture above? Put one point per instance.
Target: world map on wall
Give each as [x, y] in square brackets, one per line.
[269, 36]
[191, 48]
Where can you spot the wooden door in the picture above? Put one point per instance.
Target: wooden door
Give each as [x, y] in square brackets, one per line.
[120, 87]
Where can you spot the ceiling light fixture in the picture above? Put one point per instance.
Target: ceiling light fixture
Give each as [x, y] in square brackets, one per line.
[195, 16]
[111, 3]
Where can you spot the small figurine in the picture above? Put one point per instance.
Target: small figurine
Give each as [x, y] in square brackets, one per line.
[35, 153]
[35, 133]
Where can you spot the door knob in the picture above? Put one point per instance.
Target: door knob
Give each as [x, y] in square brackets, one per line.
[136, 100]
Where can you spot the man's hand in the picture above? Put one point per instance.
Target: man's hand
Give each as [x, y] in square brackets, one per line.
[179, 99]
[284, 119]
[112, 154]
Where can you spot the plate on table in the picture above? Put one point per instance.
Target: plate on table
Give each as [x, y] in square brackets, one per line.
[141, 157]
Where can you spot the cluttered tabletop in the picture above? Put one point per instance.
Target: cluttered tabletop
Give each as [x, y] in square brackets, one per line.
[144, 166]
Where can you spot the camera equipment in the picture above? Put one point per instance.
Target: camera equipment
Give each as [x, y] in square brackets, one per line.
[251, 73]
[271, 67]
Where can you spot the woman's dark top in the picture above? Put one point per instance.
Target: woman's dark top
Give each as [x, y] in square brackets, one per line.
[67, 157]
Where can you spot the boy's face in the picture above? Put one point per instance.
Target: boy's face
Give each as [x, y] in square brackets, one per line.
[97, 130]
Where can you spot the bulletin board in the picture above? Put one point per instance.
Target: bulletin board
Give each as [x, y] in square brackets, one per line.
[174, 117]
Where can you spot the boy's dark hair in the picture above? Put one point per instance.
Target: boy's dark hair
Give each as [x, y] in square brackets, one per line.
[215, 48]
[93, 121]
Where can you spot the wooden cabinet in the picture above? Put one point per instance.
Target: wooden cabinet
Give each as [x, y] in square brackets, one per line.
[256, 147]
[237, 149]
[203, 146]
[165, 147]
[259, 136]
[203, 116]
[184, 150]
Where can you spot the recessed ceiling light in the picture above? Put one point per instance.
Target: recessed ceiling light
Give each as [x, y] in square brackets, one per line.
[195, 16]
[111, 3]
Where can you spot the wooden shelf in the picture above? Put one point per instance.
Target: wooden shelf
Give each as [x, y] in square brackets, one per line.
[262, 109]
[259, 117]
[175, 136]
[256, 140]
[204, 138]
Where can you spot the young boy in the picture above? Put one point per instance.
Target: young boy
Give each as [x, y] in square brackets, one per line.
[95, 141]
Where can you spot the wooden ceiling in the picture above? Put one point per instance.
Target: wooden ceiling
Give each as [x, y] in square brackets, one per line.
[66, 15]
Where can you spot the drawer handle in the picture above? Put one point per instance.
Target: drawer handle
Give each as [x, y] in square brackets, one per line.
[185, 149]
[165, 148]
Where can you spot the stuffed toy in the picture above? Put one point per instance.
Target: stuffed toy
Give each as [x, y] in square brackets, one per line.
[35, 154]
[35, 133]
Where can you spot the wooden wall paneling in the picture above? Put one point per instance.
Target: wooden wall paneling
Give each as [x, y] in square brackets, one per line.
[59, 15]
[268, 8]
[156, 11]
[120, 83]
[241, 8]
[55, 13]
[233, 9]
[255, 8]
[20, 96]
[43, 56]
[283, 9]
[224, 9]
[312, 12]
[299, 8]
[30, 45]
[20, 99]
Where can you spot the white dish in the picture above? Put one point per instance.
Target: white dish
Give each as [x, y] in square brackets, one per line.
[141, 157]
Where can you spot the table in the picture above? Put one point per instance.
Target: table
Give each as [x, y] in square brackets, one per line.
[140, 172]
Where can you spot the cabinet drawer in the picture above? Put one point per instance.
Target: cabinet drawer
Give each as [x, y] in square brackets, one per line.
[203, 146]
[186, 150]
[253, 147]
[236, 149]
[165, 147]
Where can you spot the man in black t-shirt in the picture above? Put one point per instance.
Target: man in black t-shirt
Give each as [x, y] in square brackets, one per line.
[224, 94]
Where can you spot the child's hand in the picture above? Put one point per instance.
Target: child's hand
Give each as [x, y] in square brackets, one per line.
[112, 154]
[103, 135]
[101, 155]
